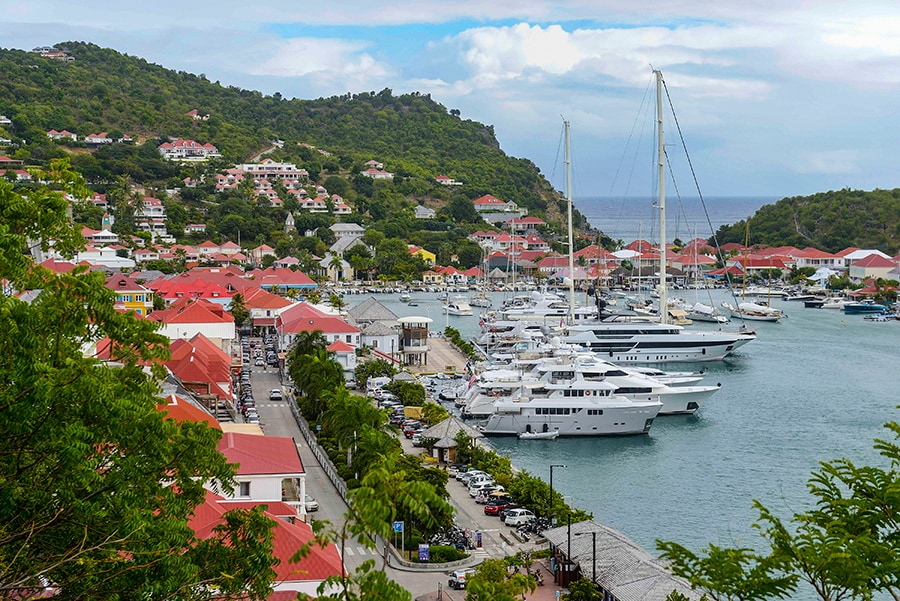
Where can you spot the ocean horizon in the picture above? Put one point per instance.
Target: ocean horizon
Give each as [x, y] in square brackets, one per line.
[632, 218]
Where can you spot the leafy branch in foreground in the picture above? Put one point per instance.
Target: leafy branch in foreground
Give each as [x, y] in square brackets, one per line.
[846, 547]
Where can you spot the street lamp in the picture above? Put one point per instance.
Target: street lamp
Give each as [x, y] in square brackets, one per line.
[550, 511]
[594, 547]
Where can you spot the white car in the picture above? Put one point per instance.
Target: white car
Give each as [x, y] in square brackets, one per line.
[275, 394]
[483, 486]
[311, 504]
[517, 517]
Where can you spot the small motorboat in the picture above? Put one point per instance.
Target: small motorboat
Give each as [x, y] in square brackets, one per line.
[550, 435]
[405, 296]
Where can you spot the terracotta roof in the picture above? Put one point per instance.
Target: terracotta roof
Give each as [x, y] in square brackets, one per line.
[339, 346]
[182, 410]
[193, 311]
[320, 564]
[261, 454]
[874, 260]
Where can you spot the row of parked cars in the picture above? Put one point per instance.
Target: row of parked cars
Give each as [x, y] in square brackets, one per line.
[495, 499]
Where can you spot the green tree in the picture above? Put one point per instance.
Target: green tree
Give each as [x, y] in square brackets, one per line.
[492, 581]
[98, 486]
[239, 310]
[585, 590]
[386, 492]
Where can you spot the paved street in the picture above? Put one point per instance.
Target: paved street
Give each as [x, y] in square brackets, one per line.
[277, 420]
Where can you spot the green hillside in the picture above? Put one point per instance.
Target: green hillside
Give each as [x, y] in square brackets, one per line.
[104, 90]
[830, 221]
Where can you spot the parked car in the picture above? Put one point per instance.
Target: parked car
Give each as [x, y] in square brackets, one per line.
[455, 468]
[417, 439]
[458, 579]
[464, 477]
[259, 362]
[275, 395]
[517, 517]
[483, 487]
[311, 504]
[505, 511]
[497, 504]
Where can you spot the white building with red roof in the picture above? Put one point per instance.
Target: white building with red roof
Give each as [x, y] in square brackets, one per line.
[872, 266]
[303, 576]
[523, 225]
[202, 366]
[281, 278]
[491, 204]
[59, 135]
[303, 317]
[345, 355]
[816, 259]
[186, 318]
[188, 151]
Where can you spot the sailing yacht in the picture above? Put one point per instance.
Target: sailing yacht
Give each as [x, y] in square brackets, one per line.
[622, 340]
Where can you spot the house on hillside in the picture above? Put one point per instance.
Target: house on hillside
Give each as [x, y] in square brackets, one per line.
[423, 212]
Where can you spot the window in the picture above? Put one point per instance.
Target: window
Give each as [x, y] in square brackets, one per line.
[245, 489]
[374, 344]
[349, 338]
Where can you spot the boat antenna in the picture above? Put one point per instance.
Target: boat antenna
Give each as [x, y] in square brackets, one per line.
[571, 242]
[661, 174]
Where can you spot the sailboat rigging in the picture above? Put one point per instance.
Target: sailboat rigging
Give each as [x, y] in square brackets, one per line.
[623, 340]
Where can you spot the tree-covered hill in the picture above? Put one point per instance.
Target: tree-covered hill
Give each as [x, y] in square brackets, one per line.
[104, 90]
[830, 221]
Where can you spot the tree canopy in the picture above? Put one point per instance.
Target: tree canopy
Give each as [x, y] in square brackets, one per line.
[97, 486]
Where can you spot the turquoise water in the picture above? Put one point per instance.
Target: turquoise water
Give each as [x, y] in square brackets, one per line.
[817, 386]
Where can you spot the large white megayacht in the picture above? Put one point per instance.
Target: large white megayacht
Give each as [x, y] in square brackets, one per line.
[583, 408]
[524, 380]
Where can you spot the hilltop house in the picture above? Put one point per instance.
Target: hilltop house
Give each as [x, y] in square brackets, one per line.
[188, 151]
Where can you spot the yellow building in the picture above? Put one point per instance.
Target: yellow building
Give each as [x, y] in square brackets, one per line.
[426, 256]
[130, 295]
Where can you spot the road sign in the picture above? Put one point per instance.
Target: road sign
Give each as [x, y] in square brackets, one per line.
[398, 526]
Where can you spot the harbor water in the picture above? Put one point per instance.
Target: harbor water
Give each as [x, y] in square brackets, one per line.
[818, 386]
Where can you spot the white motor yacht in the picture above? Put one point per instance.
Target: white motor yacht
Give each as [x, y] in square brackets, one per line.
[582, 409]
[458, 305]
[621, 339]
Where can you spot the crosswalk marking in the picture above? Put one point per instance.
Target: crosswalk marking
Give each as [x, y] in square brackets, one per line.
[359, 551]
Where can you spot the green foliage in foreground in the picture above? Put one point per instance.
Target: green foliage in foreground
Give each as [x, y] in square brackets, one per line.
[846, 547]
[96, 486]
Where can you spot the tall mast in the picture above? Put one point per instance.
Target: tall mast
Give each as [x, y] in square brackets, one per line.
[571, 244]
[661, 176]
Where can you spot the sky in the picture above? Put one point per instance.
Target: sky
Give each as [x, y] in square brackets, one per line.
[773, 98]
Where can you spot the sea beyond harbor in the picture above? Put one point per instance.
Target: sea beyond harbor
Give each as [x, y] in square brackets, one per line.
[632, 218]
[818, 386]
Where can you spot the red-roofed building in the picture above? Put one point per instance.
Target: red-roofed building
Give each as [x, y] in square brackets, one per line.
[473, 272]
[183, 410]
[186, 318]
[303, 317]
[57, 266]
[345, 354]
[264, 306]
[188, 150]
[130, 295]
[873, 266]
[203, 367]
[523, 225]
[816, 259]
[753, 264]
[281, 278]
[304, 576]
[176, 289]
[492, 204]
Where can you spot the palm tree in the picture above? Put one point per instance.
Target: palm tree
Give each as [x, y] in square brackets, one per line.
[337, 264]
[336, 301]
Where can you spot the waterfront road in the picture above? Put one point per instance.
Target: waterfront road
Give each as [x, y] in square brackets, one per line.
[497, 540]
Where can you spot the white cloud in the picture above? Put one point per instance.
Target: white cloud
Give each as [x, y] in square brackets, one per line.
[831, 162]
[298, 57]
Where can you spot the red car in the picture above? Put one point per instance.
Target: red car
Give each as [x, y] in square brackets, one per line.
[496, 506]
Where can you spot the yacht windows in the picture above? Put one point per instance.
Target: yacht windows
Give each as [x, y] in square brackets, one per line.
[595, 411]
[555, 411]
